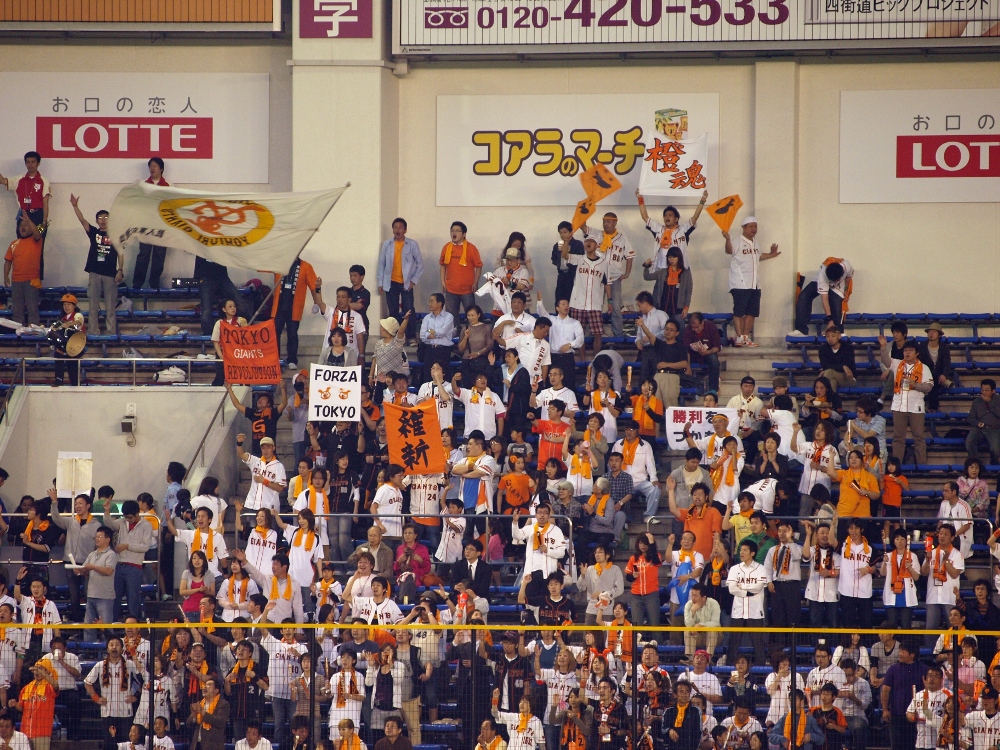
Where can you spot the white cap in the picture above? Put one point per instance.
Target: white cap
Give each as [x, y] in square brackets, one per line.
[749, 220]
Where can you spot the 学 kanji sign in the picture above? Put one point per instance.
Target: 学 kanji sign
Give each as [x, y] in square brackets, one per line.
[334, 394]
[414, 436]
[529, 150]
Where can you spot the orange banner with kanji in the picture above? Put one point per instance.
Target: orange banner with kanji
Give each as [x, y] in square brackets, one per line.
[724, 210]
[250, 353]
[414, 436]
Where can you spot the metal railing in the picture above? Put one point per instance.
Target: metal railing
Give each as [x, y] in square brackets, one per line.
[134, 362]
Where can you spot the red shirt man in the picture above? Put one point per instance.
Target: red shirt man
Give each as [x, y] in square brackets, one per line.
[37, 703]
[460, 263]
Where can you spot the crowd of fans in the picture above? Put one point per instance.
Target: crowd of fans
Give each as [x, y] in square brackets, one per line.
[789, 522]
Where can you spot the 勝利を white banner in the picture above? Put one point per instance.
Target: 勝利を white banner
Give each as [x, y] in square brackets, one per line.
[334, 394]
[701, 424]
[529, 150]
[104, 127]
[259, 231]
[940, 146]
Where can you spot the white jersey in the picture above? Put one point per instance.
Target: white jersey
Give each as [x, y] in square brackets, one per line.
[450, 547]
[385, 612]
[342, 706]
[283, 665]
[260, 495]
[838, 287]
[667, 238]
[706, 683]
[985, 729]
[558, 685]
[351, 321]
[944, 591]
[778, 690]
[744, 264]
[532, 737]
[198, 540]
[740, 736]
[746, 584]
[13, 644]
[47, 615]
[588, 285]
[544, 397]
[481, 411]
[764, 493]
[319, 504]
[533, 352]
[818, 677]
[114, 683]
[260, 549]
[909, 399]
[806, 453]
[446, 407]
[619, 252]
[852, 581]
[425, 494]
[929, 722]
[958, 515]
[820, 588]
[390, 504]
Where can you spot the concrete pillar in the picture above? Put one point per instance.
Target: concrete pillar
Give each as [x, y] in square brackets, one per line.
[776, 118]
[345, 129]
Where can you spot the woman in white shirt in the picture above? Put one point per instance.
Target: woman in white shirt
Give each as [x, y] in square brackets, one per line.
[901, 570]
[304, 552]
[235, 592]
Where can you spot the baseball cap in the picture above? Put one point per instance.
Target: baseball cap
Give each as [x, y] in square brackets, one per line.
[513, 253]
[749, 220]
[748, 379]
[509, 636]
[266, 441]
[702, 652]
[780, 382]
[990, 692]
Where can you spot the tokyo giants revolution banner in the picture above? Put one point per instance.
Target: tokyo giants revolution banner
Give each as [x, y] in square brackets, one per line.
[104, 127]
[529, 150]
[917, 146]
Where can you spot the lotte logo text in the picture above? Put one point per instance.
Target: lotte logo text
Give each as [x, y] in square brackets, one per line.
[947, 156]
[124, 137]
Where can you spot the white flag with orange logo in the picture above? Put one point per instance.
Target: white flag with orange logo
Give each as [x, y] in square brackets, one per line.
[259, 231]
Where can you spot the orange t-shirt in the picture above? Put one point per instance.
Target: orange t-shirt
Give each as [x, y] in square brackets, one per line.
[647, 576]
[703, 528]
[459, 279]
[38, 709]
[894, 486]
[307, 280]
[547, 447]
[516, 491]
[26, 255]
[397, 263]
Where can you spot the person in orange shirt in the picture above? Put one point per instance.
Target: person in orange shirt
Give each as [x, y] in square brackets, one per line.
[37, 704]
[460, 269]
[24, 258]
[858, 487]
[290, 301]
[702, 519]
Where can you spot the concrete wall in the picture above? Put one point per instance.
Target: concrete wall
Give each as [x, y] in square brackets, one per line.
[170, 424]
[66, 247]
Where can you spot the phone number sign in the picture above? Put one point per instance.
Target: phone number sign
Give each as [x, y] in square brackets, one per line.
[441, 27]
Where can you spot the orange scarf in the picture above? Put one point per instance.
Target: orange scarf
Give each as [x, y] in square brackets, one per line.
[249, 668]
[539, 534]
[464, 260]
[938, 571]
[352, 688]
[674, 275]
[667, 237]
[209, 548]
[298, 484]
[354, 744]
[900, 571]
[312, 501]
[654, 405]
[35, 690]
[581, 467]
[310, 538]
[210, 708]
[606, 241]
[324, 591]
[599, 405]
[44, 525]
[628, 451]
[262, 530]
[717, 563]
[917, 372]
[818, 449]
[590, 437]
[286, 594]
[522, 721]
[244, 582]
[847, 548]
[601, 505]
[209, 623]
[84, 521]
[726, 471]
[800, 730]
[39, 614]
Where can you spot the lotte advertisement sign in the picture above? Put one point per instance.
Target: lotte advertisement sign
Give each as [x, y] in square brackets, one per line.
[103, 127]
[920, 146]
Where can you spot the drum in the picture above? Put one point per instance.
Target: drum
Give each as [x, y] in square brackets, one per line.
[68, 342]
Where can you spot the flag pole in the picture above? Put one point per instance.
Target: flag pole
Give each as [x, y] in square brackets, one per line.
[297, 255]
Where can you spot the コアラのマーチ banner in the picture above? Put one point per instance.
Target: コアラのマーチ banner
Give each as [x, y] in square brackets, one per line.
[250, 353]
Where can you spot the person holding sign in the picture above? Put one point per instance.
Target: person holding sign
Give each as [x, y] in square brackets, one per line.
[671, 233]
[620, 255]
